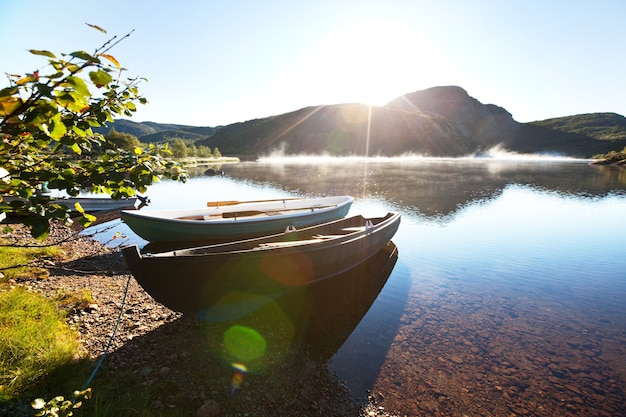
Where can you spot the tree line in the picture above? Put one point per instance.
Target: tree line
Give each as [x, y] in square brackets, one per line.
[178, 147]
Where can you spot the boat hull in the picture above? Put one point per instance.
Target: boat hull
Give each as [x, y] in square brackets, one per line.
[189, 281]
[219, 224]
[89, 204]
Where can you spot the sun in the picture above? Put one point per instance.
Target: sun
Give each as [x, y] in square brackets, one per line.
[367, 61]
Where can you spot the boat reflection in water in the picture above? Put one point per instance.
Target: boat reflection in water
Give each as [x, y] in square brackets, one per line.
[321, 315]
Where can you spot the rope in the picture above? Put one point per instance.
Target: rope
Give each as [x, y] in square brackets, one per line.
[110, 342]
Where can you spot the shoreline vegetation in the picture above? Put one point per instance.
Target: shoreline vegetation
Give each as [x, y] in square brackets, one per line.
[611, 158]
[200, 161]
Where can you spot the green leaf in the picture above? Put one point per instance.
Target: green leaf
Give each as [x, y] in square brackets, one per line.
[96, 27]
[79, 85]
[100, 78]
[25, 80]
[73, 101]
[39, 227]
[76, 149]
[44, 89]
[58, 128]
[68, 172]
[79, 131]
[87, 219]
[42, 52]
[8, 92]
[84, 56]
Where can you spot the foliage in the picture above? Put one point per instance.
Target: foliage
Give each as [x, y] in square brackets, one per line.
[612, 157]
[59, 406]
[34, 340]
[179, 149]
[203, 151]
[47, 136]
[120, 140]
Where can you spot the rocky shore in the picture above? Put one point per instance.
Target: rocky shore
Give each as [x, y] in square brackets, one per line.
[177, 357]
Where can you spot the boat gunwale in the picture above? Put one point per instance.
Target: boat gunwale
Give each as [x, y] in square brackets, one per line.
[253, 244]
[151, 215]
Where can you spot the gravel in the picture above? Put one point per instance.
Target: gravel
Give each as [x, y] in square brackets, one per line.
[179, 358]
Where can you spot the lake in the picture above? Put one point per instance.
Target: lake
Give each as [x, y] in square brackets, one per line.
[508, 293]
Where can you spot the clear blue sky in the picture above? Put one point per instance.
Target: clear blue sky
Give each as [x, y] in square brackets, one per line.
[212, 62]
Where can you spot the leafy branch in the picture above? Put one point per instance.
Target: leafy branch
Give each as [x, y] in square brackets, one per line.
[47, 136]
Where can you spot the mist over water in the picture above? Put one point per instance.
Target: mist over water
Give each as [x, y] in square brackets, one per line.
[496, 153]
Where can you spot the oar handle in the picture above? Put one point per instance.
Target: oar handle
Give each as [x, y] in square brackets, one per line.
[235, 202]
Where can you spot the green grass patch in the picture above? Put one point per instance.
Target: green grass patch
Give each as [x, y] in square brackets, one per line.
[34, 340]
[15, 261]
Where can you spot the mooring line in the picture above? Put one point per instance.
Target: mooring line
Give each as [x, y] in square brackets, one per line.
[110, 342]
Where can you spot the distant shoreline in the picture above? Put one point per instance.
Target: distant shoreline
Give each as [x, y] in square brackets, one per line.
[196, 161]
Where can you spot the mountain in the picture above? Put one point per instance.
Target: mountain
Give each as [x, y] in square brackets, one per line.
[601, 126]
[149, 132]
[439, 121]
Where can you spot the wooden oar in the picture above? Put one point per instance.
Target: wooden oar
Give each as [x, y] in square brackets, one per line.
[235, 202]
[248, 213]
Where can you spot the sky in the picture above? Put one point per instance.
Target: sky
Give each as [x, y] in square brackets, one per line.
[217, 62]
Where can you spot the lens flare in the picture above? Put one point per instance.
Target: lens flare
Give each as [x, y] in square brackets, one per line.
[238, 377]
[244, 343]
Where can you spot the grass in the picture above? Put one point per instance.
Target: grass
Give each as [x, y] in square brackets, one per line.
[34, 340]
[41, 355]
[11, 257]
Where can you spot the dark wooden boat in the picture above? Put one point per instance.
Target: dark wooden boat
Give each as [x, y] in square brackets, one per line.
[189, 280]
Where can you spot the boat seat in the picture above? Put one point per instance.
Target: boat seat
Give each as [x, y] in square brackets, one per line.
[327, 236]
[287, 244]
[354, 229]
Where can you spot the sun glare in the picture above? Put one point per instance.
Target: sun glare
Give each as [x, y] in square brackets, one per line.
[370, 62]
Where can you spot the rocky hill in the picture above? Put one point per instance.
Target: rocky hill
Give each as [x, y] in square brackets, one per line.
[440, 121]
[602, 126]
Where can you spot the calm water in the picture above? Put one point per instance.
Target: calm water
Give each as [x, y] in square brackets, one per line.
[508, 294]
